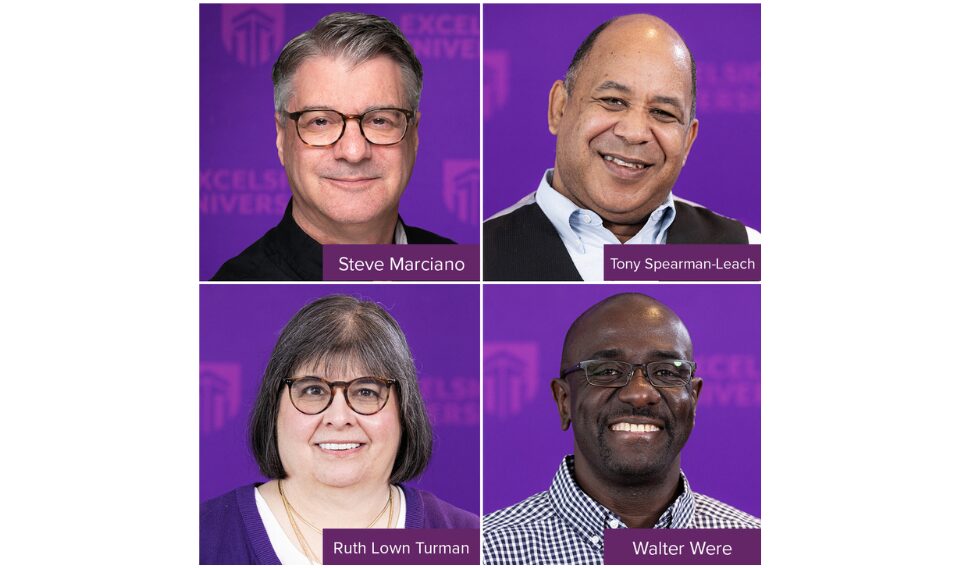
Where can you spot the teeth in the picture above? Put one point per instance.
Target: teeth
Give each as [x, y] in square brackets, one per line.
[620, 162]
[339, 447]
[626, 427]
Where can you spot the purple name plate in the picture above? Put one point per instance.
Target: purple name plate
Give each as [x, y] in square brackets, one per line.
[403, 262]
[681, 546]
[681, 262]
[404, 546]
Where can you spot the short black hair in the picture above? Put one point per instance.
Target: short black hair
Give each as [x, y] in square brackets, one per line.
[333, 332]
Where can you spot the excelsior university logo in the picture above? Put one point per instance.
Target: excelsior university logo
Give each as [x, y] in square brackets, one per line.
[510, 373]
[220, 386]
[252, 33]
[461, 189]
[730, 380]
[496, 84]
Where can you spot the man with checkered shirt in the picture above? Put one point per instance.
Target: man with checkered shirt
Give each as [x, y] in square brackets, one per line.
[627, 385]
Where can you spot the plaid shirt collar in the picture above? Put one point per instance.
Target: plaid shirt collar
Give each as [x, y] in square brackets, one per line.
[589, 518]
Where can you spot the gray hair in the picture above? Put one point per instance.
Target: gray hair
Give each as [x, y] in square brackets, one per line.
[356, 37]
[583, 51]
[330, 335]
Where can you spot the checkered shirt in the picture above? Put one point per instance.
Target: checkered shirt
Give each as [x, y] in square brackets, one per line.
[565, 526]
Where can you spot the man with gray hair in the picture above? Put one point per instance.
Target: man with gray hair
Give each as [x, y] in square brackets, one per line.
[346, 99]
[625, 121]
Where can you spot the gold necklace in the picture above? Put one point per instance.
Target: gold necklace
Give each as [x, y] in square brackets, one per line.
[310, 554]
[287, 505]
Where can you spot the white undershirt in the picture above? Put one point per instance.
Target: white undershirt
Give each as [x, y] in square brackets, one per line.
[286, 550]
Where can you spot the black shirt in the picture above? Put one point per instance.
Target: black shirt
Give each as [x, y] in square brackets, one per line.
[285, 252]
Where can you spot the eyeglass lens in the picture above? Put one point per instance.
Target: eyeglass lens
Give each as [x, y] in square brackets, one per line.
[618, 373]
[365, 395]
[324, 127]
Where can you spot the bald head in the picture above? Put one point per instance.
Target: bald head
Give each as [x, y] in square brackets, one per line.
[640, 33]
[635, 315]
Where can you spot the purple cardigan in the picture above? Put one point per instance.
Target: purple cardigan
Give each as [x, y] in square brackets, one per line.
[231, 531]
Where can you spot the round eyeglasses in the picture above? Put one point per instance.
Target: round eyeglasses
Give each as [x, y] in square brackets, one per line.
[365, 395]
[324, 127]
[615, 374]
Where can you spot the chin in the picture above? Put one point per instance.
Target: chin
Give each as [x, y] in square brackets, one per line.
[339, 480]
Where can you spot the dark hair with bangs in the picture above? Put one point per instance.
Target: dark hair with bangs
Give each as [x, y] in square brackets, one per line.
[333, 333]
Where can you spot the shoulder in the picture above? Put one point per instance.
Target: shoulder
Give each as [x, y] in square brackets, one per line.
[713, 514]
[435, 513]
[513, 219]
[695, 224]
[223, 533]
[521, 533]
[257, 262]
[224, 505]
[418, 236]
[531, 510]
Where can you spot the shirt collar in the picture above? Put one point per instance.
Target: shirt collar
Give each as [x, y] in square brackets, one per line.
[590, 518]
[570, 220]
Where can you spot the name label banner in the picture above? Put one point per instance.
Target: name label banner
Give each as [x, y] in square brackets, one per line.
[401, 262]
[403, 546]
[681, 546]
[681, 262]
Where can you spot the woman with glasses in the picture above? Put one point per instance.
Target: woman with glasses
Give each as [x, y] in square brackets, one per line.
[338, 426]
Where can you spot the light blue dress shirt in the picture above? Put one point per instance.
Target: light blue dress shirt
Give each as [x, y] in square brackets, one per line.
[583, 233]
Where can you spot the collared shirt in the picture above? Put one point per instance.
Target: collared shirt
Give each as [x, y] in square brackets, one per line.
[583, 233]
[564, 525]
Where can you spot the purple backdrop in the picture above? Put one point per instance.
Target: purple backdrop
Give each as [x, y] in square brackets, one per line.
[524, 328]
[528, 47]
[239, 325]
[243, 188]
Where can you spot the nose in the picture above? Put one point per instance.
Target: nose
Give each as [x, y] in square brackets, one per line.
[352, 146]
[338, 414]
[633, 126]
[639, 392]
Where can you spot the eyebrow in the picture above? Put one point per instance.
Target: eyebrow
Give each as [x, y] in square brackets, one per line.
[368, 109]
[618, 354]
[613, 85]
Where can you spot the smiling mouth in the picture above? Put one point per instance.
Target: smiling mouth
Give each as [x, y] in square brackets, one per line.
[627, 427]
[330, 447]
[623, 162]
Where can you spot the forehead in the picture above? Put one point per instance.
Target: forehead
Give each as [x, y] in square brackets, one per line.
[341, 84]
[641, 56]
[636, 330]
[334, 367]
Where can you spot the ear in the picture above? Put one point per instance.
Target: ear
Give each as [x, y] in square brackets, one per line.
[561, 395]
[556, 105]
[278, 120]
[415, 131]
[695, 385]
[691, 136]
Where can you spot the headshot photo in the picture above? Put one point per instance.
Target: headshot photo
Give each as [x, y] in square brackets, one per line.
[334, 125]
[639, 407]
[332, 407]
[617, 124]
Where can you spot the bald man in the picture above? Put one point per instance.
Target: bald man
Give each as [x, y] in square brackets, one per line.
[628, 387]
[625, 121]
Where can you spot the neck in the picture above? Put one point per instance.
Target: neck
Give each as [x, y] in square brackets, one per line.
[378, 231]
[638, 501]
[338, 507]
[624, 231]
